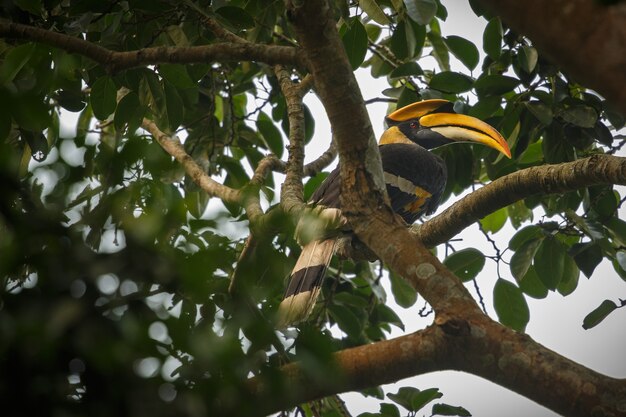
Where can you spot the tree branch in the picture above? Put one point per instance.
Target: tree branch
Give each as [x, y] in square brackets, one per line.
[292, 188]
[115, 61]
[314, 167]
[197, 174]
[545, 179]
[478, 346]
[599, 38]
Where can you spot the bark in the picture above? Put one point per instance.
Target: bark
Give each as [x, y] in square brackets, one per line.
[292, 189]
[545, 179]
[115, 61]
[587, 38]
[475, 345]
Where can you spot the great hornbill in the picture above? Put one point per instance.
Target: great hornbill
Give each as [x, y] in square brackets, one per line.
[415, 179]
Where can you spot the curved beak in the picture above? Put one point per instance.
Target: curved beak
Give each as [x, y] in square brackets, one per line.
[417, 110]
[463, 128]
[438, 115]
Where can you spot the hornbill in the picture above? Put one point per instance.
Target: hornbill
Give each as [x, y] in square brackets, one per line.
[415, 179]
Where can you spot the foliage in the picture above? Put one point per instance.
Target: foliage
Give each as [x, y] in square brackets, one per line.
[116, 265]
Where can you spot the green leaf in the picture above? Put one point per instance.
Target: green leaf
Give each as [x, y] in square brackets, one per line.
[416, 37]
[519, 213]
[485, 107]
[421, 11]
[31, 112]
[590, 227]
[571, 273]
[451, 82]
[621, 272]
[14, 61]
[449, 410]
[404, 294]
[389, 410]
[236, 16]
[410, 69]
[523, 235]
[346, 320]
[492, 39]
[355, 43]
[31, 6]
[103, 97]
[523, 257]
[464, 50]
[414, 399]
[313, 183]
[580, 115]
[37, 143]
[374, 11]
[495, 85]
[465, 263]
[270, 133]
[587, 256]
[196, 202]
[510, 305]
[385, 314]
[531, 285]
[174, 106]
[493, 222]
[309, 124]
[548, 262]
[440, 49]
[541, 111]
[5, 121]
[71, 100]
[528, 58]
[129, 112]
[403, 42]
[600, 313]
[617, 228]
[177, 75]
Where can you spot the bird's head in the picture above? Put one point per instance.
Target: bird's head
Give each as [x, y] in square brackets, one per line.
[433, 123]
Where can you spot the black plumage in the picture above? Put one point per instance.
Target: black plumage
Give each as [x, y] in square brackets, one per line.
[415, 180]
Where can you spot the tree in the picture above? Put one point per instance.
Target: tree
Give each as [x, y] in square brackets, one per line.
[117, 275]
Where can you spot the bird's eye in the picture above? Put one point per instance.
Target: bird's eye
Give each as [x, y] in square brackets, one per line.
[414, 125]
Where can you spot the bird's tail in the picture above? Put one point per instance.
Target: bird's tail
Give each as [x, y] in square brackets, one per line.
[305, 282]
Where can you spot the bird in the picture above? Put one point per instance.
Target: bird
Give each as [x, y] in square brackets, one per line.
[415, 179]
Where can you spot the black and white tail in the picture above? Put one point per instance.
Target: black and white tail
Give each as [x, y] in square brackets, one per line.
[305, 282]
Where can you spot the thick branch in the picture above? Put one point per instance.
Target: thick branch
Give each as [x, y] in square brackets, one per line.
[478, 346]
[587, 38]
[546, 179]
[117, 61]
[356, 368]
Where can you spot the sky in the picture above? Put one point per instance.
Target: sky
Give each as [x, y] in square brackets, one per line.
[555, 322]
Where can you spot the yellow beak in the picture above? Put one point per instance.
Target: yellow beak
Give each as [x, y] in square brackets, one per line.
[465, 128]
[432, 115]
